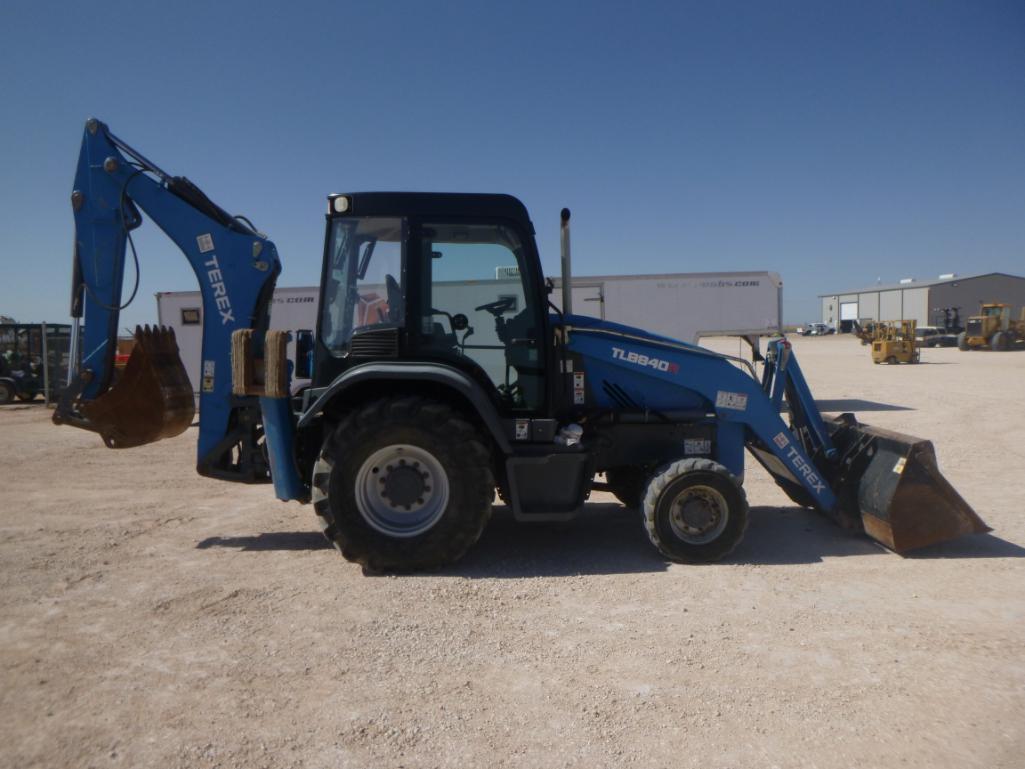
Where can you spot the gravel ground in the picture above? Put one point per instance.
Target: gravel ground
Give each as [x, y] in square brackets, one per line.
[150, 617]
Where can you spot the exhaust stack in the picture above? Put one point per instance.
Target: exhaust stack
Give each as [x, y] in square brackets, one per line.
[567, 273]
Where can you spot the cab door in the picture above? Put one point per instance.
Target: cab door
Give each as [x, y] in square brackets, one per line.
[480, 307]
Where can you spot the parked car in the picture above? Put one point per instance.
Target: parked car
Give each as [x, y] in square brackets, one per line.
[933, 336]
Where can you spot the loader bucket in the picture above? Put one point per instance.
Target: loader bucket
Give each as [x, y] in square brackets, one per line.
[893, 484]
[151, 399]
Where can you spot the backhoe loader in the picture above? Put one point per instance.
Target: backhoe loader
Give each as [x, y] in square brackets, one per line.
[441, 373]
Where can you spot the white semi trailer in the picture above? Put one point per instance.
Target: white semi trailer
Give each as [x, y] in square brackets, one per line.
[685, 306]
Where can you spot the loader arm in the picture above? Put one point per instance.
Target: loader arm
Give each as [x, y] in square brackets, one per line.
[885, 483]
[236, 267]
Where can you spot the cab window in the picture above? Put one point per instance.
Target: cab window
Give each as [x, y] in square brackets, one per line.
[477, 307]
[364, 279]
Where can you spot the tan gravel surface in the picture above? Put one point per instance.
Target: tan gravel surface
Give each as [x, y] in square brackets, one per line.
[153, 618]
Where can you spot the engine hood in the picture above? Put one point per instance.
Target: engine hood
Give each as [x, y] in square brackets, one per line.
[584, 322]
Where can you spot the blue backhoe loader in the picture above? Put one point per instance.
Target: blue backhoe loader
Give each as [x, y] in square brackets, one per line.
[441, 373]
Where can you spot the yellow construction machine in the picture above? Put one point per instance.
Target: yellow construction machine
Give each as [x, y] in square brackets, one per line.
[895, 342]
[993, 329]
[867, 332]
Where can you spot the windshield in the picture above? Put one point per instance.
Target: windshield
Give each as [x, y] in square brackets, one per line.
[363, 279]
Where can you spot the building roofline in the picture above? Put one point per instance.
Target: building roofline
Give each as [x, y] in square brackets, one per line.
[919, 284]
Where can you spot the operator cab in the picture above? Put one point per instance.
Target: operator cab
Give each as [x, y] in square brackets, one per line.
[439, 277]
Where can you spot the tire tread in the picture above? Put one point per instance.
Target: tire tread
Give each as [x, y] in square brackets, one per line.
[470, 460]
[671, 472]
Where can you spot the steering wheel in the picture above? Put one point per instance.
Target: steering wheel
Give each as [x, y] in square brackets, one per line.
[497, 308]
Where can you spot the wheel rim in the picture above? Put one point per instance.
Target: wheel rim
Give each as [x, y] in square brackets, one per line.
[401, 490]
[698, 514]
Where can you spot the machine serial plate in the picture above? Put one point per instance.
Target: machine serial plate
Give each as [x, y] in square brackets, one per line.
[727, 400]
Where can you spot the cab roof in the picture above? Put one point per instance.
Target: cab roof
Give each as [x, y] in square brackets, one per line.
[446, 204]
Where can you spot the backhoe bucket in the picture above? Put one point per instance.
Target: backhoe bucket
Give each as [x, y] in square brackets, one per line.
[151, 399]
[892, 483]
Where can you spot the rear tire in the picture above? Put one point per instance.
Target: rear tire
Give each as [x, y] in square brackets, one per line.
[891, 360]
[962, 342]
[403, 484]
[695, 511]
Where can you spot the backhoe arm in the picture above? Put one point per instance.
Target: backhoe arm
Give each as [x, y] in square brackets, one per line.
[236, 268]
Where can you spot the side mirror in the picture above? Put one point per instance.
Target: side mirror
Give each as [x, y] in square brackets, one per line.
[304, 354]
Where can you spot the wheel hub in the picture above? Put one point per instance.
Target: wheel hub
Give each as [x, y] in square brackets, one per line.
[698, 514]
[401, 490]
[405, 484]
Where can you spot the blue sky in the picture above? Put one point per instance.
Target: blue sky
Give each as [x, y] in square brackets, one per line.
[833, 143]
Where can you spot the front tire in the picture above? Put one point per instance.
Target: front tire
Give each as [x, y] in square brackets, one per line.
[403, 484]
[6, 392]
[999, 341]
[695, 511]
[962, 342]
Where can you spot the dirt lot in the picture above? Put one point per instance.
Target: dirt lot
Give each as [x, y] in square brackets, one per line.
[150, 617]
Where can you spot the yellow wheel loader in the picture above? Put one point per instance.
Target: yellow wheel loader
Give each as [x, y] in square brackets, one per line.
[993, 329]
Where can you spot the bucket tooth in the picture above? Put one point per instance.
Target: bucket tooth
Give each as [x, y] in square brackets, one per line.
[152, 398]
[895, 485]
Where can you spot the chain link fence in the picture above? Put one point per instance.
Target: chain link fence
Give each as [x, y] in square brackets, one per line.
[34, 358]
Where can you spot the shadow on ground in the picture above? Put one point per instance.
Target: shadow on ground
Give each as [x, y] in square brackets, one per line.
[609, 539]
[794, 535]
[270, 540]
[605, 539]
[857, 404]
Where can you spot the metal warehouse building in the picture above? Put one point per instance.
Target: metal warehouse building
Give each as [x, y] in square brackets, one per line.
[919, 300]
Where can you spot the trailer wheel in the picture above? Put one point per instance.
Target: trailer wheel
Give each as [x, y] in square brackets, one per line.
[403, 484]
[628, 484]
[6, 392]
[962, 342]
[695, 511]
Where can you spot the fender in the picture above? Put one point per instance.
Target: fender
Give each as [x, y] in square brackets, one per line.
[414, 372]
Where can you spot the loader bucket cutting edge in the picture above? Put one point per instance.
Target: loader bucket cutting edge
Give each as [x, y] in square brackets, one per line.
[152, 399]
[897, 489]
